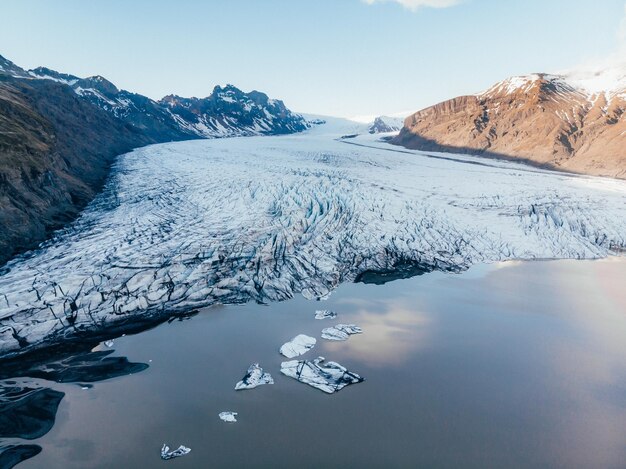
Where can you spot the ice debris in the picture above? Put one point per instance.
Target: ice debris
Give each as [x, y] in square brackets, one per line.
[297, 346]
[325, 314]
[254, 377]
[340, 331]
[329, 377]
[167, 454]
[228, 416]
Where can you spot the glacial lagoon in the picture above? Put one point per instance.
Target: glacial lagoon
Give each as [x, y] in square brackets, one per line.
[512, 364]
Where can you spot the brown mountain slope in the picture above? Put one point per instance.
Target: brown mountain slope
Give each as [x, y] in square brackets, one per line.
[55, 152]
[541, 119]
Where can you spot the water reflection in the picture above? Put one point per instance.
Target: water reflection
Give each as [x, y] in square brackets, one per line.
[394, 330]
[27, 412]
[28, 409]
[11, 455]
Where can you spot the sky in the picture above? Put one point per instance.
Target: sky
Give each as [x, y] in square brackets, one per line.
[333, 57]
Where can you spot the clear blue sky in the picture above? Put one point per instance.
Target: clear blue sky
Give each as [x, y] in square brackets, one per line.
[335, 57]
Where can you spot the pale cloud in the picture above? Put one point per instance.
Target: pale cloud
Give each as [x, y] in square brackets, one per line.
[415, 4]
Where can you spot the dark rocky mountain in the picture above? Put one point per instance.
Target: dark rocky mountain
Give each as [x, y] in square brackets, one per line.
[59, 135]
[229, 111]
[574, 122]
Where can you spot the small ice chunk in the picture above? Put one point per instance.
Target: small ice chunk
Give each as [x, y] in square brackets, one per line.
[167, 454]
[325, 314]
[329, 377]
[108, 343]
[340, 331]
[228, 416]
[254, 377]
[297, 346]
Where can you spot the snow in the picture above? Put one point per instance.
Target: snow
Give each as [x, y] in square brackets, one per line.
[589, 81]
[608, 78]
[43, 76]
[329, 377]
[189, 224]
[297, 346]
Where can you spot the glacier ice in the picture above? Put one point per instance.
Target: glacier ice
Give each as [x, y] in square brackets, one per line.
[185, 225]
[325, 314]
[328, 377]
[180, 451]
[230, 417]
[253, 378]
[340, 331]
[297, 346]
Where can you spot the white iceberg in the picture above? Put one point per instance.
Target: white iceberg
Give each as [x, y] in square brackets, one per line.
[297, 346]
[325, 314]
[340, 331]
[180, 451]
[228, 416]
[329, 377]
[253, 378]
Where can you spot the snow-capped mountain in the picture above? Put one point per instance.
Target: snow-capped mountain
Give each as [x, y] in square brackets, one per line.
[573, 121]
[226, 112]
[385, 124]
[229, 111]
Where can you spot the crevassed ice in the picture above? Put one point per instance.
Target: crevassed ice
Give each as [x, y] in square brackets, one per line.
[189, 224]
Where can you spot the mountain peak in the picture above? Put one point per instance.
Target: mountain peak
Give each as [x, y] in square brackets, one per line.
[9, 68]
[99, 83]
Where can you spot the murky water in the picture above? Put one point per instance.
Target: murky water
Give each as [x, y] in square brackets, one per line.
[510, 365]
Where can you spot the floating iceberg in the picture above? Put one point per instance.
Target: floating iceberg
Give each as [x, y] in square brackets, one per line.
[340, 331]
[228, 416]
[297, 346]
[167, 454]
[329, 377]
[325, 314]
[254, 377]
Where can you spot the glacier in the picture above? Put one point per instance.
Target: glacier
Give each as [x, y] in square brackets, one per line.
[185, 225]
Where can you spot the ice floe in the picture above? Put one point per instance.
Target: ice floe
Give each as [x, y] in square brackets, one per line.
[325, 314]
[180, 451]
[340, 331]
[297, 346]
[253, 378]
[228, 416]
[328, 377]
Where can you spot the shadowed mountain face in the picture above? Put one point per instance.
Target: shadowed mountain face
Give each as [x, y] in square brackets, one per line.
[563, 122]
[60, 133]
